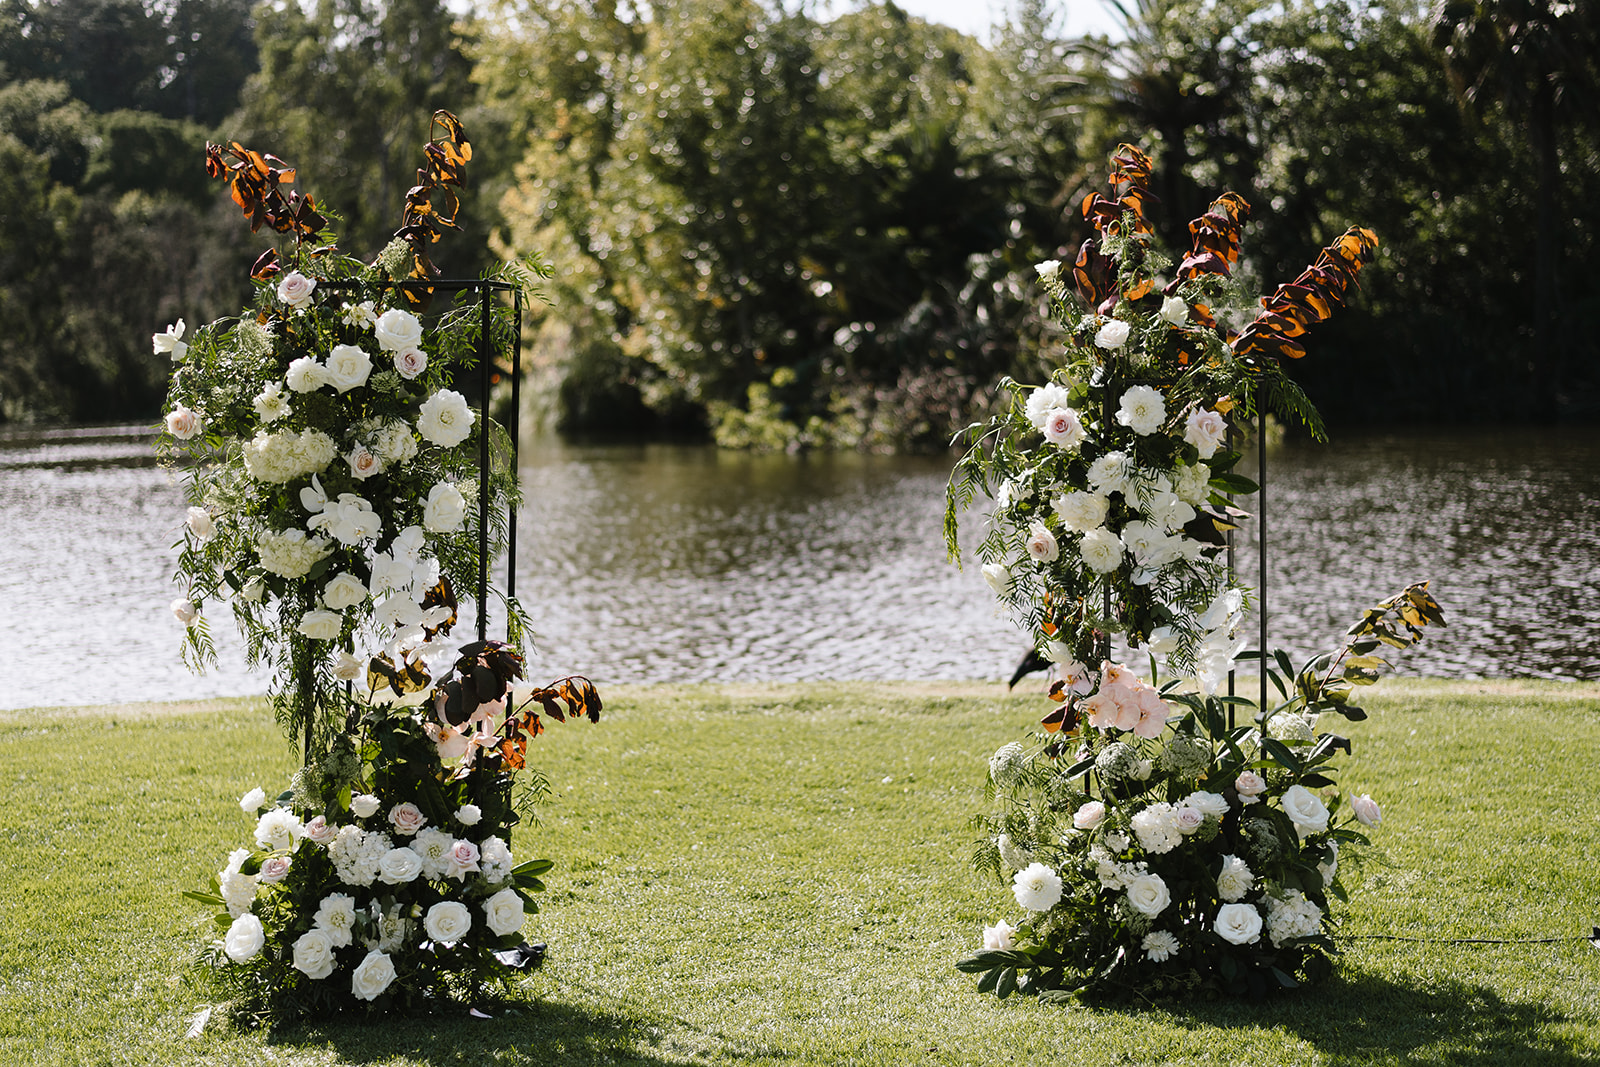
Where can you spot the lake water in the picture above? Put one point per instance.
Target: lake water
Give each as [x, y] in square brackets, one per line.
[670, 563]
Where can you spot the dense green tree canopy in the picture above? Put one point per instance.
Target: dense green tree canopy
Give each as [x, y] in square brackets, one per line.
[788, 231]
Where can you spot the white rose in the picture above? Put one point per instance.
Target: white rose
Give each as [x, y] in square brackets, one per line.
[1081, 511]
[503, 912]
[1249, 785]
[372, 975]
[1206, 430]
[444, 510]
[275, 868]
[1213, 804]
[1142, 410]
[448, 921]
[245, 938]
[397, 330]
[348, 367]
[407, 818]
[469, 814]
[364, 805]
[305, 375]
[1089, 816]
[348, 668]
[1114, 334]
[318, 832]
[313, 954]
[320, 625]
[1036, 887]
[998, 575]
[295, 289]
[184, 423]
[410, 362]
[1063, 428]
[1190, 819]
[1235, 878]
[445, 419]
[271, 404]
[168, 344]
[185, 611]
[253, 801]
[1238, 924]
[1194, 484]
[399, 866]
[1042, 543]
[1101, 550]
[345, 591]
[1174, 310]
[997, 938]
[1043, 400]
[1309, 814]
[364, 463]
[1366, 809]
[1148, 895]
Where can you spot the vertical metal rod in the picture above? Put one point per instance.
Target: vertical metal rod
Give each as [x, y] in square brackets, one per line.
[1105, 426]
[516, 446]
[484, 369]
[1261, 532]
[1228, 445]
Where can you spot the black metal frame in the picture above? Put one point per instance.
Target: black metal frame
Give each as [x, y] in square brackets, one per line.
[485, 356]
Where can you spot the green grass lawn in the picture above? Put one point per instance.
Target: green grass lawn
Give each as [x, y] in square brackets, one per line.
[778, 875]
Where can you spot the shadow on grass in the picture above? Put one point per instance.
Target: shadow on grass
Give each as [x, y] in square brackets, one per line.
[1363, 1018]
[529, 1032]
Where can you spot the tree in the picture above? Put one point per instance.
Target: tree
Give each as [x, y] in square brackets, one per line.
[1535, 60]
[345, 93]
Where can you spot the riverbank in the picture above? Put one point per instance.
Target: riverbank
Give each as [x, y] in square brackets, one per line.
[777, 875]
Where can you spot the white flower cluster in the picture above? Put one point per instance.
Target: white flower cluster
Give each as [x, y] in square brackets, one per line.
[279, 458]
[1291, 915]
[291, 553]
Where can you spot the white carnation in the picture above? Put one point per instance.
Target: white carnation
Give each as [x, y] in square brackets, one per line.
[1036, 887]
[1142, 410]
[445, 419]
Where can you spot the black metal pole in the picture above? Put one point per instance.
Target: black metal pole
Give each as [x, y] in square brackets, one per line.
[516, 445]
[1261, 534]
[484, 370]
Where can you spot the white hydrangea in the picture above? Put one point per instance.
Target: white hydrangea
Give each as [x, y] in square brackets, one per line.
[1291, 916]
[291, 553]
[281, 457]
[495, 861]
[1157, 828]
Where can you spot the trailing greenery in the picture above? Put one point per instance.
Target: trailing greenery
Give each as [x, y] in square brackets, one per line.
[775, 875]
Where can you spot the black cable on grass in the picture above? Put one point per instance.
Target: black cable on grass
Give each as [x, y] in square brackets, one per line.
[1593, 939]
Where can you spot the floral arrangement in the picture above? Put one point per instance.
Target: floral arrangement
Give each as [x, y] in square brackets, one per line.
[384, 876]
[339, 498]
[1155, 845]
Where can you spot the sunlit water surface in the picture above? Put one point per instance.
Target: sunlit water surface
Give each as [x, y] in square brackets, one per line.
[661, 563]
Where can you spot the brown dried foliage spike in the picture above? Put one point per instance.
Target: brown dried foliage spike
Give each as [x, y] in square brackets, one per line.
[1310, 298]
[432, 204]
